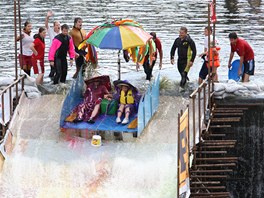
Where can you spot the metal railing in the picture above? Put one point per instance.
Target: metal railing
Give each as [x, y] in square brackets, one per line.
[199, 118]
[7, 98]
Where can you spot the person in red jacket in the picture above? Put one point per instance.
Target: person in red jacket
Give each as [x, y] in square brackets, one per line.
[246, 54]
[61, 44]
[38, 49]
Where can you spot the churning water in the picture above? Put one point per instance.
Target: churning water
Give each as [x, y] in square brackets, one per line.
[44, 164]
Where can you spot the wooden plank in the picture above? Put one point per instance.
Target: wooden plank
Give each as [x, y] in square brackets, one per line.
[221, 126]
[217, 135]
[217, 143]
[205, 182]
[234, 119]
[210, 176]
[228, 111]
[229, 114]
[211, 152]
[215, 165]
[211, 194]
[212, 171]
[217, 146]
[209, 187]
[231, 108]
[220, 141]
[219, 159]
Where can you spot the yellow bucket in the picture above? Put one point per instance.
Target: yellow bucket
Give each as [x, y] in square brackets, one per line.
[96, 140]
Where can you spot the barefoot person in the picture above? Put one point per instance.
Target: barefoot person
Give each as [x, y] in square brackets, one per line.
[38, 48]
[27, 39]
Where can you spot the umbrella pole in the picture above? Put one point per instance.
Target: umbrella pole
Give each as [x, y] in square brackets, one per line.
[118, 63]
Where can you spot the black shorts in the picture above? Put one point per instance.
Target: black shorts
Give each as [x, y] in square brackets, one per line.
[249, 67]
[204, 71]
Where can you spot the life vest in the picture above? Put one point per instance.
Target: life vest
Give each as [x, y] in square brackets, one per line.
[126, 98]
[216, 57]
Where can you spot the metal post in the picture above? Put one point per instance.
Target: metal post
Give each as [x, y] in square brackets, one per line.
[194, 133]
[119, 65]
[199, 113]
[209, 70]
[15, 26]
[178, 168]
[20, 31]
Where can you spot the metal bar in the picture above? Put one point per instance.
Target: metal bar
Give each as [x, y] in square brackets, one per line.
[194, 132]
[218, 146]
[119, 65]
[221, 126]
[15, 26]
[210, 187]
[216, 165]
[178, 168]
[218, 159]
[209, 70]
[199, 114]
[229, 114]
[11, 85]
[3, 104]
[20, 29]
[11, 102]
[203, 182]
[214, 171]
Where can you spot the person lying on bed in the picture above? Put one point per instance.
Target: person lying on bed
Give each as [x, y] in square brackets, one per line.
[89, 108]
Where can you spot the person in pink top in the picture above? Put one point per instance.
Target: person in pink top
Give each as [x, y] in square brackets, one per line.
[61, 44]
[38, 48]
[246, 54]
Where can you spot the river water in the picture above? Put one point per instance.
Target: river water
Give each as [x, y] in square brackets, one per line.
[150, 169]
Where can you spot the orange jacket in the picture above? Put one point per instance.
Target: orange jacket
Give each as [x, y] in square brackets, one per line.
[215, 58]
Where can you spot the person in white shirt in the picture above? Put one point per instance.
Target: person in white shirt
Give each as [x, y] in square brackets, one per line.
[27, 40]
[52, 32]
[204, 70]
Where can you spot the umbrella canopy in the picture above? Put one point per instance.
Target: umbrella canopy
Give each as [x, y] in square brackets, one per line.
[122, 34]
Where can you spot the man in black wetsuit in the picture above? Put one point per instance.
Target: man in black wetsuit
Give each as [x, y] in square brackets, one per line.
[186, 54]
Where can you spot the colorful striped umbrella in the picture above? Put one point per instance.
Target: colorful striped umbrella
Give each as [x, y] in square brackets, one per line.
[119, 34]
[122, 34]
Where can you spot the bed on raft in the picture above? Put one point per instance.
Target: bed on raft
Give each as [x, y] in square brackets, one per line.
[146, 106]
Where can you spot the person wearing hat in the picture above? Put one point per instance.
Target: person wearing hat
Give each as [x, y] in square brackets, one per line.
[126, 100]
[97, 89]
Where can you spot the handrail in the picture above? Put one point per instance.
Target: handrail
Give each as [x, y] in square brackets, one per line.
[11, 110]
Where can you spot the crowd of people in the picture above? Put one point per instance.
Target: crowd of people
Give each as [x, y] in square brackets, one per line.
[65, 41]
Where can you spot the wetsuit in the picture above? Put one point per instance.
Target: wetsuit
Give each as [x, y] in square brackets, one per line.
[58, 53]
[78, 35]
[186, 53]
[147, 67]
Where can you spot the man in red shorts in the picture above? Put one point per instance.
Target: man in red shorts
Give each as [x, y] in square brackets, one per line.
[246, 54]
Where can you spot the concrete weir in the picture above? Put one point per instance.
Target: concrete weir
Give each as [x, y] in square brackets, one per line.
[229, 160]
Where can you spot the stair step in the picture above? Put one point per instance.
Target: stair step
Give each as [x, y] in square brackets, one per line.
[215, 165]
[229, 114]
[218, 146]
[229, 119]
[211, 152]
[216, 135]
[210, 176]
[210, 194]
[220, 126]
[205, 182]
[212, 171]
[231, 159]
[209, 187]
